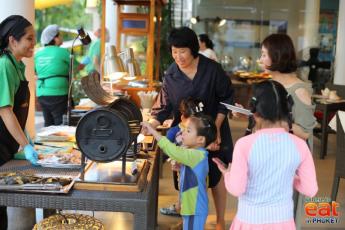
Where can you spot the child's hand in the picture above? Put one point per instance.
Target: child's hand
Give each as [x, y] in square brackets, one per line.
[146, 128]
[221, 165]
[213, 146]
[176, 166]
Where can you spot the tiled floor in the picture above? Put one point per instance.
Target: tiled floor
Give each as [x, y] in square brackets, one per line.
[167, 194]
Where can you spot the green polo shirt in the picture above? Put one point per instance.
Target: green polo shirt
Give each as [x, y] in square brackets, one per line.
[10, 77]
[52, 61]
[94, 51]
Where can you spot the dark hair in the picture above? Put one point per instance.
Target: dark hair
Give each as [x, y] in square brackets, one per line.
[52, 42]
[272, 102]
[184, 37]
[190, 106]
[208, 42]
[14, 25]
[282, 53]
[205, 127]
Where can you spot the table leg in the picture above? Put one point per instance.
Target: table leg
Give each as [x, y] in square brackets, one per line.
[141, 220]
[335, 188]
[324, 135]
[155, 195]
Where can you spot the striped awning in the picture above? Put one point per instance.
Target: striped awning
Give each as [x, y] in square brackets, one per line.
[42, 4]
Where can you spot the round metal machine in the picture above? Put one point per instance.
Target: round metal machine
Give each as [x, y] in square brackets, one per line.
[105, 134]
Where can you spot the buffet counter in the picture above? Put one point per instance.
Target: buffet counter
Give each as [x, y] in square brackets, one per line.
[142, 204]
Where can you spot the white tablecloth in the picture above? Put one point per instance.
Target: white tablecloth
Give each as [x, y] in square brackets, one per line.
[333, 122]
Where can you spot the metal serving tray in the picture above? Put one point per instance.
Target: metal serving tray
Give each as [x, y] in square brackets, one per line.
[24, 167]
[40, 188]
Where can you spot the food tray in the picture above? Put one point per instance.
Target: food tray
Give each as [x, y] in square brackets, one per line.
[108, 176]
[62, 160]
[24, 167]
[61, 166]
[53, 138]
[40, 188]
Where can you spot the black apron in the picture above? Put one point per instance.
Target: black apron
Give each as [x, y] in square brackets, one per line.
[8, 145]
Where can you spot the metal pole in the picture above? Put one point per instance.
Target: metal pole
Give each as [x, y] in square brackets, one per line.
[70, 81]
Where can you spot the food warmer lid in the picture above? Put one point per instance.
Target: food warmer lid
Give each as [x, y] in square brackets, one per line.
[128, 109]
[103, 135]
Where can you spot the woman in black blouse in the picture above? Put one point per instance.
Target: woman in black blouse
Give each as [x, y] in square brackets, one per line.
[193, 75]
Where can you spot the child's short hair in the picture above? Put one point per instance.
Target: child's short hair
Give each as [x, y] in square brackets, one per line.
[205, 127]
[190, 106]
[272, 102]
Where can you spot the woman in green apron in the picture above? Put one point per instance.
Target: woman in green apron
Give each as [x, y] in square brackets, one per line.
[17, 40]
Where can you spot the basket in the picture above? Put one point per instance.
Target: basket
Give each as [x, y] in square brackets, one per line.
[68, 222]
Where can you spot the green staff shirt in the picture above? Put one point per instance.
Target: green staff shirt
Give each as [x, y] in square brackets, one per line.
[94, 51]
[52, 61]
[10, 77]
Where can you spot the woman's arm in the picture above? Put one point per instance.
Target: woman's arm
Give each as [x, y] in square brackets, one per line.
[224, 90]
[12, 125]
[216, 144]
[301, 125]
[162, 107]
[224, 93]
[298, 131]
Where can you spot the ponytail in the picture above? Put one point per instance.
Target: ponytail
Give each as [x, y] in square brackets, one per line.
[289, 107]
[251, 120]
[271, 102]
[208, 42]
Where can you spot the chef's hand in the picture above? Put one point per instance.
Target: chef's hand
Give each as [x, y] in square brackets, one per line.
[86, 60]
[28, 137]
[30, 154]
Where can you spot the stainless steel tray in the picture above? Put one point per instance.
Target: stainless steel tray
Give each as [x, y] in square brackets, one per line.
[60, 166]
[40, 188]
[24, 167]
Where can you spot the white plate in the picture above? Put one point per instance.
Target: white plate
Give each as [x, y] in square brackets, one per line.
[129, 78]
[318, 96]
[237, 109]
[334, 101]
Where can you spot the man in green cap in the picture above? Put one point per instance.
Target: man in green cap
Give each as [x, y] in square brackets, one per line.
[52, 69]
[93, 58]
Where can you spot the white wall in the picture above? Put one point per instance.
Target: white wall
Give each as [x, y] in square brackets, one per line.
[339, 75]
[111, 20]
[26, 9]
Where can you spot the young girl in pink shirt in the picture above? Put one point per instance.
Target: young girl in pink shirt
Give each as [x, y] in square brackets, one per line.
[268, 164]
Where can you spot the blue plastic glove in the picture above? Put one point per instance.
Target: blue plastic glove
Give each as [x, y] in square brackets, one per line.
[86, 60]
[28, 137]
[31, 154]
